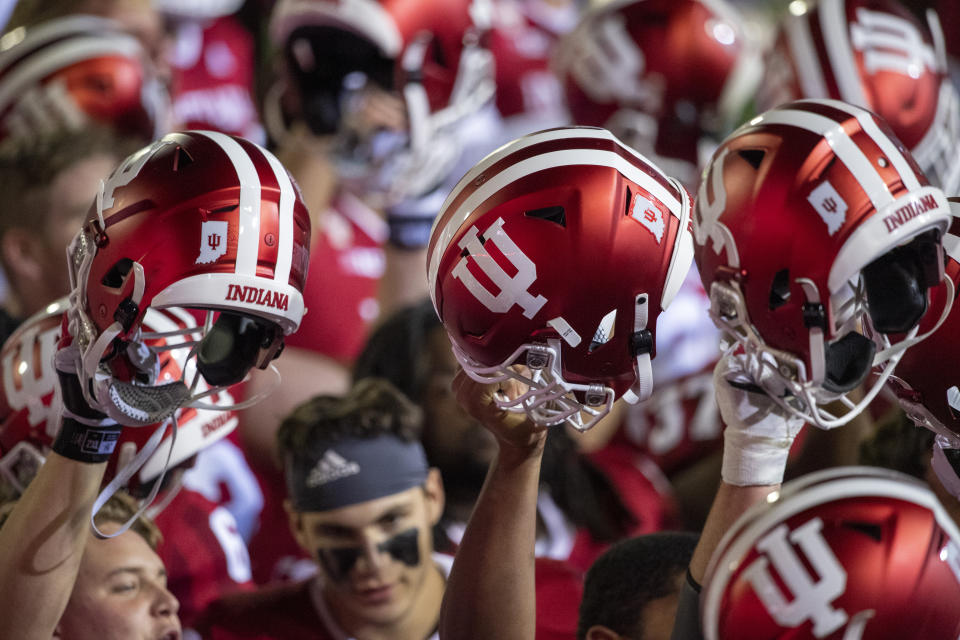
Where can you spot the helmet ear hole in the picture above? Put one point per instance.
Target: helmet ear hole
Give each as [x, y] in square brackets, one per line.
[117, 273]
[555, 214]
[181, 159]
[870, 529]
[780, 289]
[753, 156]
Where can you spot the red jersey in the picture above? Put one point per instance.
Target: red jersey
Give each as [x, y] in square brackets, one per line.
[223, 475]
[295, 612]
[203, 552]
[212, 84]
[346, 263]
[275, 555]
[644, 490]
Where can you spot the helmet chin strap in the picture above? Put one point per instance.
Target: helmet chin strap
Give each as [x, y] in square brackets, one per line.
[799, 393]
[641, 343]
[126, 472]
[548, 400]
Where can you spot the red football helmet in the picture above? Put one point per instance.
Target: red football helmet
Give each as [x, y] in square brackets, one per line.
[66, 72]
[198, 220]
[558, 252]
[428, 51]
[845, 553]
[874, 54]
[926, 380]
[810, 220]
[30, 405]
[661, 75]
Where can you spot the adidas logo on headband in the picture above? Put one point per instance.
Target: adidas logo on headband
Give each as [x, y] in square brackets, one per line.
[332, 466]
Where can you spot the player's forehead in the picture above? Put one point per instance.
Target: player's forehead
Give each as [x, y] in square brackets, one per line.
[128, 552]
[364, 514]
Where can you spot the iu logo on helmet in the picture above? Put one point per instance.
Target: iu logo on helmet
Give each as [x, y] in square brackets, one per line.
[706, 221]
[608, 65]
[829, 205]
[813, 595]
[29, 387]
[890, 43]
[213, 241]
[513, 290]
[647, 214]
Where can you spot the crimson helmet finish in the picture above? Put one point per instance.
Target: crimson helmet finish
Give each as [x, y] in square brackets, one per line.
[31, 404]
[877, 55]
[214, 221]
[661, 75]
[926, 381]
[430, 52]
[810, 219]
[200, 220]
[558, 251]
[69, 71]
[850, 552]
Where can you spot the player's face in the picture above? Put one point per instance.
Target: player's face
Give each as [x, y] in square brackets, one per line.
[375, 556]
[120, 593]
[658, 614]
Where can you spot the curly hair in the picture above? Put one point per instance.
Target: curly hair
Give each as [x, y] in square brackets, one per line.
[628, 576]
[118, 509]
[372, 407]
[27, 167]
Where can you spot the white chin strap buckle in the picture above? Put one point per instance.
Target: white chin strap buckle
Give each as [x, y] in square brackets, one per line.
[641, 343]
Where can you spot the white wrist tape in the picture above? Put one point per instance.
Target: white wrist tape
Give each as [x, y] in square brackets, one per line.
[752, 460]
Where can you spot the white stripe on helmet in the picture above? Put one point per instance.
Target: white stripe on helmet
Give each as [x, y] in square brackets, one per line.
[845, 149]
[542, 162]
[248, 232]
[55, 30]
[887, 146]
[833, 23]
[806, 64]
[288, 197]
[566, 133]
[528, 141]
[35, 68]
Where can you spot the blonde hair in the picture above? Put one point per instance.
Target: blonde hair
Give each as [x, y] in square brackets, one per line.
[119, 508]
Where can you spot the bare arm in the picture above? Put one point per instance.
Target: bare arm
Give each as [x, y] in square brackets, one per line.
[491, 591]
[41, 545]
[756, 443]
[403, 282]
[729, 504]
